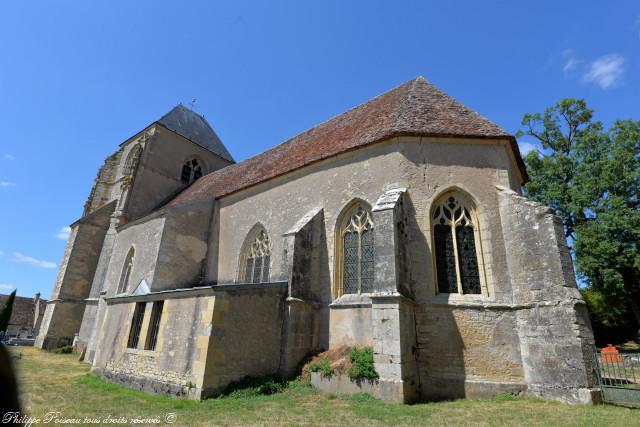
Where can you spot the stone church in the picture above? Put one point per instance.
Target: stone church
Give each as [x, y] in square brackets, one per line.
[398, 224]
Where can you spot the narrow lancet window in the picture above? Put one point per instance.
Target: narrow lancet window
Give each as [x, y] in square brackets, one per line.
[123, 285]
[136, 325]
[358, 252]
[154, 325]
[256, 258]
[456, 249]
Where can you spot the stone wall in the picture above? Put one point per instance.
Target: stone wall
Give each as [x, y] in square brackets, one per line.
[183, 248]
[527, 331]
[158, 175]
[306, 317]
[468, 350]
[65, 308]
[144, 237]
[553, 328]
[176, 362]
[424, 166]
[208, 338]
[246, 334]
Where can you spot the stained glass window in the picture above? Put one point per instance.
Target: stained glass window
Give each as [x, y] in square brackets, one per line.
[445, 259]
[257, 259]
[191, 170]
[454, 234]
[358, 253]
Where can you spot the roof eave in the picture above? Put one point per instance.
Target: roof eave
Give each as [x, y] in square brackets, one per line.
[511, 139]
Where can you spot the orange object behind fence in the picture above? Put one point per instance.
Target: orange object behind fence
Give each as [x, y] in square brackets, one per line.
[609, 354]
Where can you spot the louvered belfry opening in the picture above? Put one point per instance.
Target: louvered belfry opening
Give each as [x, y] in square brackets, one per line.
[191, 171]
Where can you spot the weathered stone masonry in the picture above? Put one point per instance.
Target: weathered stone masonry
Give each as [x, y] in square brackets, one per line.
[515, 323]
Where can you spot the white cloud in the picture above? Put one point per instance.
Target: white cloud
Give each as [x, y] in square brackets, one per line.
[527, 147]
[571, 61]
[605, 71]
[63, 233]
[571, 64]
[9, 157]
[7, 184]
[6, 287]
[17, 256]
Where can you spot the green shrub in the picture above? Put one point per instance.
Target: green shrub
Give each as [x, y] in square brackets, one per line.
[323, 366]
[252, 386]
[65, 349]
[362, 364]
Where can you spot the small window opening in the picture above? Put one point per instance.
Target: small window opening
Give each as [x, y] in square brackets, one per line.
[154, 327]
[136, 325]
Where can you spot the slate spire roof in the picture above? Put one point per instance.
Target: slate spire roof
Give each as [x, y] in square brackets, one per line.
[195, 128]
[414, 108]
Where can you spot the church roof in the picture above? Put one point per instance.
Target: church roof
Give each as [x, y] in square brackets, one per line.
[195, 128]
[414, 108]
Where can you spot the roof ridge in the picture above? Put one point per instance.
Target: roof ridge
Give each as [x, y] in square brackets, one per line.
[416, 107]
[455, 103]
[355, 107]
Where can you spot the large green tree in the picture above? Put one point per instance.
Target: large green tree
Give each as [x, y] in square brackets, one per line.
[591, 176]
[6, 310]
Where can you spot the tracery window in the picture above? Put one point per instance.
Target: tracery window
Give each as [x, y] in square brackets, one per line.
[256, 258]
[126, 271]
[191, 170]
[357, 251]
[455, 237]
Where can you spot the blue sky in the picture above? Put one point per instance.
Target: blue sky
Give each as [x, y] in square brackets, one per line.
[77, 78]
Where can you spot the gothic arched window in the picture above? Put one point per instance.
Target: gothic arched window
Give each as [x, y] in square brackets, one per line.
[126, 271]
[456, 243]
[191, 170]
[256, 257]
[356, 240]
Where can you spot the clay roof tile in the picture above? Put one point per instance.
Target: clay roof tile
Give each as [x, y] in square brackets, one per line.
[413, 108]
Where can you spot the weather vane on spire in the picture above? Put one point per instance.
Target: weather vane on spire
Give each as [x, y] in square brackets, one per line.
[193, 103]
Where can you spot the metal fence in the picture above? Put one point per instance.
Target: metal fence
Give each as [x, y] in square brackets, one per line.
[618, 376]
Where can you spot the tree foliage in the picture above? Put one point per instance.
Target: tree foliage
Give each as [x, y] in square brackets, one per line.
[591, 176]
[6, 310]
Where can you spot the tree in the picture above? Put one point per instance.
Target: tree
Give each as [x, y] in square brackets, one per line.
[592, 179]
[6, 310]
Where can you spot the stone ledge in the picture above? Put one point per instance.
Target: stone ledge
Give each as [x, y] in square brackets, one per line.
[498, 305]
[352, 301]
[209, 290]
[390, 391]
[147, 385]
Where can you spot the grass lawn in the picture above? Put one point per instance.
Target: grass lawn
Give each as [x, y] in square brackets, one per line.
[57, 382]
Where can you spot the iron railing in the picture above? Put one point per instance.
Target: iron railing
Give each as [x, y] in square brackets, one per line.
[618, 376]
